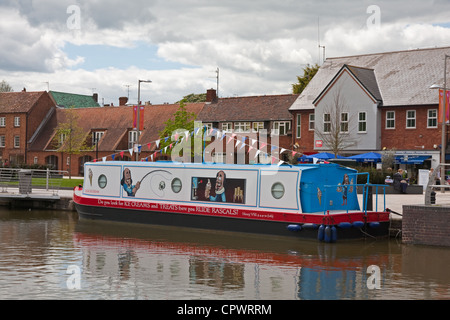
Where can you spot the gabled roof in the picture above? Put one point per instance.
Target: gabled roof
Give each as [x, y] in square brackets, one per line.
[12, 102]
[252, 108]
[363, 76]
[403, 77]
[115, 121]
[66, 100]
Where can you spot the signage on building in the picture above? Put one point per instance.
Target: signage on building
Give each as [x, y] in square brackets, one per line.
[319, 143]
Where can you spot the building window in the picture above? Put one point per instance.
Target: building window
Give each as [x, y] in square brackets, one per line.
[2, 122]
[281, 128]
[299, 126]
[311, 121]
[227, 127]
[16, 121]
[362, 122]
[411, 119]
[96, 136]
[344, 122]
[35, 160]
[2, 141]
[207, 126]
[432, 118]
[242, 126]
[219, 157]
[16, 141]
[326, 123]
[390, 120]
[132, 139]
[258, 126]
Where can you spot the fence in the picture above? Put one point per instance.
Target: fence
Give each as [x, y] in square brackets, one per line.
[435, 193]
[26, 181]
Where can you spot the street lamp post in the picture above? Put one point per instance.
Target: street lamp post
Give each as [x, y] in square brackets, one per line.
[444, 111]
[138, 113]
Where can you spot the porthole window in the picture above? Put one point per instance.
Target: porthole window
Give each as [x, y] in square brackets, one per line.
[102, 181]
[176, 185]
[277, 190]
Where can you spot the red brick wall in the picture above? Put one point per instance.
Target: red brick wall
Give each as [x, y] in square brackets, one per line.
[403, 138]
[306, 141]
[427, 225]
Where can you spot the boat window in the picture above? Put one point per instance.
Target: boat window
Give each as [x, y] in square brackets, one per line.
[102, 181]
[176, 185]
[277, 190]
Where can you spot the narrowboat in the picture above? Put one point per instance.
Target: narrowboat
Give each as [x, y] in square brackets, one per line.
[312, 201]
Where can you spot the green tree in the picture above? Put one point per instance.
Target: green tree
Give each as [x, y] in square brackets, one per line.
[193, 97]
[5, 87]
[69, 137]
[181, 122]
[308, 73]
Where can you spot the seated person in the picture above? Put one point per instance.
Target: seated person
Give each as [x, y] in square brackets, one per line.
[399, 182]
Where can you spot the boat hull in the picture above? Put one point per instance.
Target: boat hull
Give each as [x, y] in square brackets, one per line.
[213, 223]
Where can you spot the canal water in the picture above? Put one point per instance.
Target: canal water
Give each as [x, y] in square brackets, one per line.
[53, 255]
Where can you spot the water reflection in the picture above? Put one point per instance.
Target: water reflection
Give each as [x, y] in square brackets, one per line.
[124, 261]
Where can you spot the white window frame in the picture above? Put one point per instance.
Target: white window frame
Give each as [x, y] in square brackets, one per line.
[219, 157]
[16, 141]
[16, 121]
[343, 124]
[2, 141]
[432, 118]
[227, 126]
[326, 123]
[408, 118]
[362, 122]
[35, 160]
[242, 127]
[390, 120]
[312, 121]
[2, 121]
[97, 136]
[281, 128]
[132, 138]
[298, 130]
[257, 126]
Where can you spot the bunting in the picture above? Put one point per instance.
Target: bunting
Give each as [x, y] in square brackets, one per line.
[178, 138]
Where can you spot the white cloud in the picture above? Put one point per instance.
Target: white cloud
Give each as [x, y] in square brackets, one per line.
[259, 47]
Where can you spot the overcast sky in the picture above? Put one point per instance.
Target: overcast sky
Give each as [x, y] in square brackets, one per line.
[259, 46]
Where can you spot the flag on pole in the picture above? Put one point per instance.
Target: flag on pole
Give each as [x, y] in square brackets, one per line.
[141, 117]
[441, 105]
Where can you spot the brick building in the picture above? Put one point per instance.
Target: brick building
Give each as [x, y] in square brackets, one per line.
[112, 126]
[22, 115]
[389, 105]
[261, 118]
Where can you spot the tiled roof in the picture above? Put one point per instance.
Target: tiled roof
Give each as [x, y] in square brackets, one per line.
[66, 100]
[11, 102]
[366, 78]
[403, 77]
[116, 121]
[253, 108]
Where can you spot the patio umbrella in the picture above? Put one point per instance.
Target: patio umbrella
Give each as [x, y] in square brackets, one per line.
[325, 156]
[367, 157]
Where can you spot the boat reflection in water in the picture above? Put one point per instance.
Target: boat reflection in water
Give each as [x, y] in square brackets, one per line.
[185, 263]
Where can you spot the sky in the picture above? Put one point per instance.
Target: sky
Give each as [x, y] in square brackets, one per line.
[259, 47]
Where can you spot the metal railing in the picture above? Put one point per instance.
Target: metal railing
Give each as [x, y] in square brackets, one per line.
[27, 181]
[430, 194]
[367, 204]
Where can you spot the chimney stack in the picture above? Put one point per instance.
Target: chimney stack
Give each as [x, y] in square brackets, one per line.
[211, 95]
[123, 101]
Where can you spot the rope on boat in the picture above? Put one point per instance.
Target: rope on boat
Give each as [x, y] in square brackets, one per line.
[392, 211]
